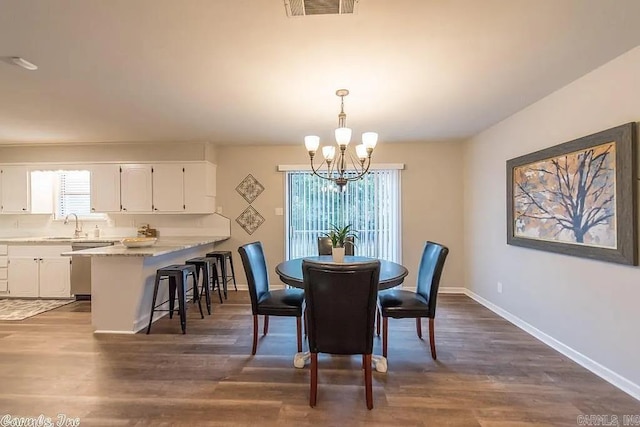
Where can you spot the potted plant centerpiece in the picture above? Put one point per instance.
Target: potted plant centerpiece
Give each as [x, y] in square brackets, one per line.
[338, 237]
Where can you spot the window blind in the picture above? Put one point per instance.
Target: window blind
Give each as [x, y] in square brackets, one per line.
[371, 205]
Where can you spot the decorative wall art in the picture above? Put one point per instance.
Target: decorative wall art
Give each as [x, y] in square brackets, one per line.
[250, 220]
[250, 188]
[577, 198]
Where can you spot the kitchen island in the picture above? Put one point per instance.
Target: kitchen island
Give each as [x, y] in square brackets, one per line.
[122, 279]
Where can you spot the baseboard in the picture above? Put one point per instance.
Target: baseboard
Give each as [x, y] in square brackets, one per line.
[603, 372]
[452, 290]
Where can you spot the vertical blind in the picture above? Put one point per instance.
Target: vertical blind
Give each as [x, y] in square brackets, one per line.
[371, 205]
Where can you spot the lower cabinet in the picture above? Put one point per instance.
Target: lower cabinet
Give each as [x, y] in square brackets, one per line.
[39, 271]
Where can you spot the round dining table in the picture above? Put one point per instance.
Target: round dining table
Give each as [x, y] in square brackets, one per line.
[391, 273]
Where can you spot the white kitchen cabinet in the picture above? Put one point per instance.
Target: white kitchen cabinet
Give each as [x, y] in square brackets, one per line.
[39, 271]
[4, 262]
[136, 188]
[168, 187]
[200, 187]
[105, 188]
[55, 277]
[23, 277]
[14, 189]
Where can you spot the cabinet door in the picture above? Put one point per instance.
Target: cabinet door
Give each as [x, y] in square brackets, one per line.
[199, 188]
[105, 188]
[23, 277]
[168, 188]
[136, 188]
[14, 183]
[55, 277]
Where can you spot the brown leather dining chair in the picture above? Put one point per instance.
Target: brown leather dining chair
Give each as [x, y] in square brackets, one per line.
[401, 304]
[324, 246]
[281, 302]
[340, 308]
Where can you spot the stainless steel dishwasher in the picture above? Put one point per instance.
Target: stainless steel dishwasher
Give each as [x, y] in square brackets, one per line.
[81, 269]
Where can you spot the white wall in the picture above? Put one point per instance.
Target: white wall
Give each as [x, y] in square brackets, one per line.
[590, 306]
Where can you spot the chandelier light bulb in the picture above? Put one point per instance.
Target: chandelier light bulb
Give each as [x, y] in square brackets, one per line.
[312, 142]
[370, 139]
[343, 136]
[361, 151]
[329, 152]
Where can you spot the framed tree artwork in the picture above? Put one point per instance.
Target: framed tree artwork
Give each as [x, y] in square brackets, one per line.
[577, 198]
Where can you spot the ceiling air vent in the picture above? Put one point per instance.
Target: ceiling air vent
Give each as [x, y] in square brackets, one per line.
[320, 7]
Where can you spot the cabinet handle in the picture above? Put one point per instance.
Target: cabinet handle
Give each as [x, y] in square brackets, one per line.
[124, 209]
[35, 259]
[155, 209]
[24, 209]
[93, 209]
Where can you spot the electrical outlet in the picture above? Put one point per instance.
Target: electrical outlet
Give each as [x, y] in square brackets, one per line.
[499, 287]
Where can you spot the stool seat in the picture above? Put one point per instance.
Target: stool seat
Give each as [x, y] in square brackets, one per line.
[222, 257]
[177, 274]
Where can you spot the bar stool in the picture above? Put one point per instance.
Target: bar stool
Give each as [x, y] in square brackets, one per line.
[209, 273]
[221, 258]
[177, 276]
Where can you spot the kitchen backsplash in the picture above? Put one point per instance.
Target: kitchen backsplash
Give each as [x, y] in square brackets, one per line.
[117, 225]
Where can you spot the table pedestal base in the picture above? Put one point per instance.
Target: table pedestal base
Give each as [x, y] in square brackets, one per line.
[379, 362]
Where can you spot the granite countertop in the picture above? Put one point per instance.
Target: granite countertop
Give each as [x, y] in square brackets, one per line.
[164, 245]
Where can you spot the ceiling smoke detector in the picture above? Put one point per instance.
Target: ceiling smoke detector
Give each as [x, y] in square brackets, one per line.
[320, 7]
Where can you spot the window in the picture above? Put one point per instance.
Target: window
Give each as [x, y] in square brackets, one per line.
[62, 192]
[370, 205]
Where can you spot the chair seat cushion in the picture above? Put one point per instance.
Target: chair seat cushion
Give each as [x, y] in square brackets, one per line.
[400, 304]
[281, 302]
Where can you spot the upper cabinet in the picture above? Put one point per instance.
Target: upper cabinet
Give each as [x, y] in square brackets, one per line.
[168, 187]
[14, 189]
[105, 188]
[200, 187]
[136, 188]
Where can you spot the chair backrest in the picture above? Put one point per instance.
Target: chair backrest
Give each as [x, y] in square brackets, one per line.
[429, 272]
[255, 267]
[341, 305]
[324, 246]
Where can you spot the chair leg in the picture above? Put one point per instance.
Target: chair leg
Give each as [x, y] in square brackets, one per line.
[313, 393]
[377, 321]
[233, 274]
[385, 331]
[432, 337]
[368, 382]
[196, 293]
[266, 325]
[255, 334]
[153, 303]
[419, 327]
[299, 333]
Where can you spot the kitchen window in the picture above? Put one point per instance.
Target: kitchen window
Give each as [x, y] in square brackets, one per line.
[62, 192]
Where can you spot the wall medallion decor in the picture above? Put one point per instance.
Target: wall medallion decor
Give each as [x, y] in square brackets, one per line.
[250, 188]
[577, 198]
[250, 220]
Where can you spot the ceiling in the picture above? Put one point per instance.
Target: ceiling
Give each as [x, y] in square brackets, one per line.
[242, 72]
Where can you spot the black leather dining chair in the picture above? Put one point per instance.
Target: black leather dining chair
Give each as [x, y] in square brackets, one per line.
[324, 246]
[281, 302]
[401, 304]
[340, 309]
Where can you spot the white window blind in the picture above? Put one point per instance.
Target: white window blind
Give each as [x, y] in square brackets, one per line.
[370, 205]
[74, 193]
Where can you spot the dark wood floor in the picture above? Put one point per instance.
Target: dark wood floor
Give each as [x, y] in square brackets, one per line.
[489, 373]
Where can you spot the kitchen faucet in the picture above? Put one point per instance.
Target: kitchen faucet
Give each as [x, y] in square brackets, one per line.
[78, 232]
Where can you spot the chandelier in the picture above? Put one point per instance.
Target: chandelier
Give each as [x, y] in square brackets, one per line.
[337, 168]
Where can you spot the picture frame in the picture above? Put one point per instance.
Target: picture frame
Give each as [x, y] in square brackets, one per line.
[577, 198]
